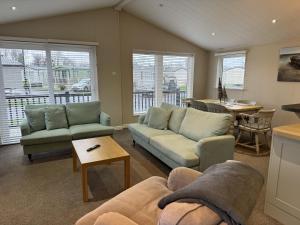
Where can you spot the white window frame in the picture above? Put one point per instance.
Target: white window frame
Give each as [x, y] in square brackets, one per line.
[160, 54]
[220, 59]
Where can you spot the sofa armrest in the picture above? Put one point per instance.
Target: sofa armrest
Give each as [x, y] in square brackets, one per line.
[113, 218]
[141, 119]
[213, 150]
[105, 119]
[25, 128]
[181, 176]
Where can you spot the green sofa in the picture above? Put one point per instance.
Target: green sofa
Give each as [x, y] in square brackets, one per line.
[194, 138]
[83, 120]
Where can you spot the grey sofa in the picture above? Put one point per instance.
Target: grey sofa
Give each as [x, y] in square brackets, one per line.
[84, 120]
[194, 138]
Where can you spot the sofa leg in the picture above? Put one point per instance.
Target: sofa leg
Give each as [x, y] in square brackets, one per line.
[133, 142]
[30, 157]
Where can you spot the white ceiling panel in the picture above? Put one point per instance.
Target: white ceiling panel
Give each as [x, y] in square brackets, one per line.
[28, 9]
[236, 23]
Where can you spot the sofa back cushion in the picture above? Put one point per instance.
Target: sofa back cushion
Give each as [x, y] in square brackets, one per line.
[198, 124]
[159, 118]
[35, 118]
[55, 117]
[176, 119]
[83, 113]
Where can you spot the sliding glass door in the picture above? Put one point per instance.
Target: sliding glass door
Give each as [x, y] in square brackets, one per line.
[42, 74]
[161, 78]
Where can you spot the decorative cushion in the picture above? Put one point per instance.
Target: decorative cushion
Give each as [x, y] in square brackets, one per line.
[176, 119]
[167, 106]
[83, 113]
[159, 118]
[36, 119]
[146, 120]
[55, 117]
[198, 124]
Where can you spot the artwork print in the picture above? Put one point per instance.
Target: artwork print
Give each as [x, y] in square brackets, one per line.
[289, 65]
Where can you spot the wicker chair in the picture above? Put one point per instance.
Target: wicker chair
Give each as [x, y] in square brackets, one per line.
[216, 108]
[198, 105]
[255, 124]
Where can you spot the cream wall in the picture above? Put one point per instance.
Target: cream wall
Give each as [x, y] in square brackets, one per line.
[261, 81]
[137, 34]
[117, 34]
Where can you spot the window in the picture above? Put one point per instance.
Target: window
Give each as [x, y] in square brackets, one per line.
[161, 78]
[42, 73]
[232, 69]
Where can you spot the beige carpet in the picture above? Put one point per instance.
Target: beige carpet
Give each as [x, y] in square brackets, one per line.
[47, 192]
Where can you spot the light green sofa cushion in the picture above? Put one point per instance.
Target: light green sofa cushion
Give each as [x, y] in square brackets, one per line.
[159, 118]
[55, 117]
[46, 136]
[145, 132]
[147, 116]
[176, 119]
[167, 106]
[178, 148]
[83, 113]
[36, 119]
[198, 124]
[90, 130]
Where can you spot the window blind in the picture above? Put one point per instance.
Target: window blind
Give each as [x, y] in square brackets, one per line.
[159, 77]
[33, 73]
[232, 70]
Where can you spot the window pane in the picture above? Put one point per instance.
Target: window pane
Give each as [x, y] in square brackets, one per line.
[72, 76]
[143, 82]
[234, 71]
[175, 79]
[25, 82]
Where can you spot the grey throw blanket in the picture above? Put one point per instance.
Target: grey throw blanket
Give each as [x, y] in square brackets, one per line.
[230, 189]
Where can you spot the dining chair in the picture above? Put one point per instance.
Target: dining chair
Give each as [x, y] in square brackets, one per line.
[216, 108]
[198, 105]
[255, 124]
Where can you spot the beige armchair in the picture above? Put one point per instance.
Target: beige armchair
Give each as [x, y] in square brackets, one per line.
[138, 205]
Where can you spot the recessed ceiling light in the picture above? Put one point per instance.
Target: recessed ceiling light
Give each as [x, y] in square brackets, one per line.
[213, 34]
[274, 21]
[13, 8]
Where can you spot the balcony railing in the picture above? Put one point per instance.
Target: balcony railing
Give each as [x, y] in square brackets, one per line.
[142, 100]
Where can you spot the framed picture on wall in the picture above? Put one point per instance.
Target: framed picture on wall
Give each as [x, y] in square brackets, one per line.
[289, 65]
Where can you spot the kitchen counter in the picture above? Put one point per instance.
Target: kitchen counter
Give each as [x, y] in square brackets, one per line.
[283, 186]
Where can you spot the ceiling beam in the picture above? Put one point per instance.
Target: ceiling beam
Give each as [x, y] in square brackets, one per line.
[121, 4]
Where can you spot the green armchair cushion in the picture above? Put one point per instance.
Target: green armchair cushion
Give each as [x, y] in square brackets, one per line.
[55, 117]
[83, 113]
[159, 118]
[147, 116]
[90, 130]
[36, 119]
[198, 124]
[46, 136]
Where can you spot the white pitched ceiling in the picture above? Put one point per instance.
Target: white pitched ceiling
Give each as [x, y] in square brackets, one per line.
[28, 9]
[236, 23]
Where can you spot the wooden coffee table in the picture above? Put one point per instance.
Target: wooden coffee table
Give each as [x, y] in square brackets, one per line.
[109, 151]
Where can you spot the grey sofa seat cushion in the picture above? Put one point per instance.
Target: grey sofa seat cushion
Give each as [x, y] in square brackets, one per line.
[83, 113]
[90, 130]
[145, 132]
[198, 124]
[46, 136]
[178, 148]
[176, 119]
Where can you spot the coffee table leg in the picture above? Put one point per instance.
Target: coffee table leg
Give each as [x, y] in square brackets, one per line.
[84, 183]
[127, 172]
[74, 159]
